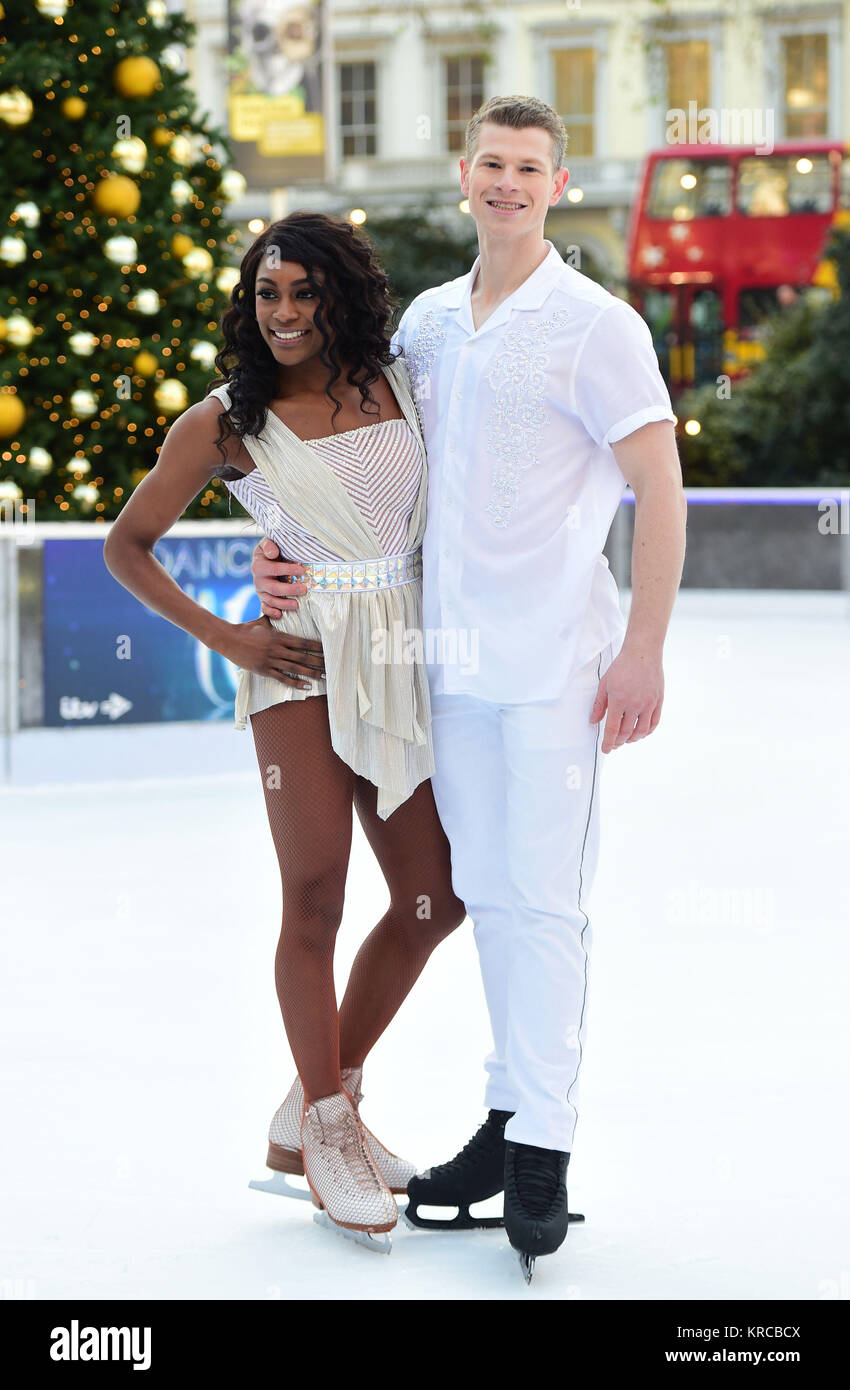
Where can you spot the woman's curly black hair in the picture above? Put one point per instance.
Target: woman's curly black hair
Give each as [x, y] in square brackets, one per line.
[352, 315]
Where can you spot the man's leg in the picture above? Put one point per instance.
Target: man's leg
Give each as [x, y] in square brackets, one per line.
[469, 790]
[553, 761]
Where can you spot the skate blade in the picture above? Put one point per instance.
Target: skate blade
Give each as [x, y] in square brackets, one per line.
[278, 1184]
[526, 1264]
[463, 1220]
[379, 1241]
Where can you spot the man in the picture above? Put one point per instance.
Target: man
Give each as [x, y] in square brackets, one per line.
[540, 398]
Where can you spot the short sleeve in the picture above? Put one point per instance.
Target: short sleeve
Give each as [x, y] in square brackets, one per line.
[618, 386]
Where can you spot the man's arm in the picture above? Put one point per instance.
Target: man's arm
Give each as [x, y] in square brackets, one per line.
[632, 690]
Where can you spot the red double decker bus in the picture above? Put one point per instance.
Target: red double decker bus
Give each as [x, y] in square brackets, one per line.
[722, 237]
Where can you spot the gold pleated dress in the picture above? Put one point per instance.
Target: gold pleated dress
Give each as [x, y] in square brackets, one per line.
[378, 705]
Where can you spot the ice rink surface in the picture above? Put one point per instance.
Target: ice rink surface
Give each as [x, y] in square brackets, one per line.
[143, 1052]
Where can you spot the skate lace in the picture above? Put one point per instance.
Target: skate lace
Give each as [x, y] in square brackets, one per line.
[344, 1133]
[486, 1137]
[537, 1175]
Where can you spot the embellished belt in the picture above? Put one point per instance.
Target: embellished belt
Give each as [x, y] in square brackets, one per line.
[351, 576]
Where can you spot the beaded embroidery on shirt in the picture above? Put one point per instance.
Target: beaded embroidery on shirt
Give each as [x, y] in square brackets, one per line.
[518, 416]
[430, 336]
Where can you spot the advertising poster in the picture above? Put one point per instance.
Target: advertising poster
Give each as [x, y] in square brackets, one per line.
[108, 659]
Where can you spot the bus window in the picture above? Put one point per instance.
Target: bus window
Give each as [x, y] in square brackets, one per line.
[682, 189]
[705, 321]
[776, 185]
[659, 311]
[757, 305]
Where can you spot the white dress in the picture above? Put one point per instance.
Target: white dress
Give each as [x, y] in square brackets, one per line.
[356, 496]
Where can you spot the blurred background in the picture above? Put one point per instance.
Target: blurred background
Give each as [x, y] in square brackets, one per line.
[144, 146]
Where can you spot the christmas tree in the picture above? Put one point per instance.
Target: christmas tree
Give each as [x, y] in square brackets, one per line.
[116, 258]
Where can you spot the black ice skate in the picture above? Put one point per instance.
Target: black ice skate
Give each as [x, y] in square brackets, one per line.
[536, 1215]
[476, 1173]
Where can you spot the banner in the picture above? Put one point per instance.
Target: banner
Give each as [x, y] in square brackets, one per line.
[276, 90]
[109, 660]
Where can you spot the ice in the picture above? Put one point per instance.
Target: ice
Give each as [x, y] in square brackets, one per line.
[143, 1052]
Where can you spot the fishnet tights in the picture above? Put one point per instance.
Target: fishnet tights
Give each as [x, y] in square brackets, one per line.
[309, 794]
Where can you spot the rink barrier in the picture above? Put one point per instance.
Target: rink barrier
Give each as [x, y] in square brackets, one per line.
[738, 538]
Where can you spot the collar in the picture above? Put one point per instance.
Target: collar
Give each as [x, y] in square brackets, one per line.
[531, 294]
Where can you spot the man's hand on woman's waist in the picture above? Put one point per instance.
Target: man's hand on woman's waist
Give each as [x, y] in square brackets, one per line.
[272, 579]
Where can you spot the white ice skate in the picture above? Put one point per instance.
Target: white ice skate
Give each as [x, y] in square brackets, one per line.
[346, 1186]
[284, 1155]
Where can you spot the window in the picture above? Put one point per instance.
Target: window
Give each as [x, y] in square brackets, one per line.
[806, 77]
[756, 307]
[574, 74]
[685, 188]
[776, 185]
[357, 123]
[464, 82]
[688, 64]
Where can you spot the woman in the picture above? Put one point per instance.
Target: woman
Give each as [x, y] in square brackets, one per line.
[317, 435]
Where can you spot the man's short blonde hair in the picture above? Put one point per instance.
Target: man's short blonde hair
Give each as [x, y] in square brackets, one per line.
[519, 113]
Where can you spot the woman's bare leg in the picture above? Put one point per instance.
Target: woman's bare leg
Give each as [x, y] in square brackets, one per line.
[414, 856]
[308, 791]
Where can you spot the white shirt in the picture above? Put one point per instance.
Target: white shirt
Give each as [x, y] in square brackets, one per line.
[518, 417]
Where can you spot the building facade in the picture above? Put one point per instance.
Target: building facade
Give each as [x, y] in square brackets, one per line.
[405, 77]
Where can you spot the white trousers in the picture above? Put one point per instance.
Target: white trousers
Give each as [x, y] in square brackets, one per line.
[517, 791]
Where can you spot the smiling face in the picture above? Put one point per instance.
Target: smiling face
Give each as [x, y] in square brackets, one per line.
[285, 306]
[510, 181]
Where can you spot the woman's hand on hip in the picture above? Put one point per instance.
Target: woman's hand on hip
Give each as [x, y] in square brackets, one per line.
[283, 656]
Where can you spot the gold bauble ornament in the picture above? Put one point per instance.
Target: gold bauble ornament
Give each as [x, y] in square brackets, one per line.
[85, 495]
[28, 213]
[74, 108]
[227, 279]
[204, 353]
[83, 343]
[3, 329]
[180, 149]
[19, 330]
[146, 302]
[116, 196]
[15, 107]
[144, 363]
[181, 245]
[39, 461]
[131, 154]
[174, 58]
[171, 396]
[137, 474]
[181, 192]
[198, 262]
[232, 185]
[121, 250]
[13, 250]
[136, 77]
[12, 414]
[83, 403]
[161, 136]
